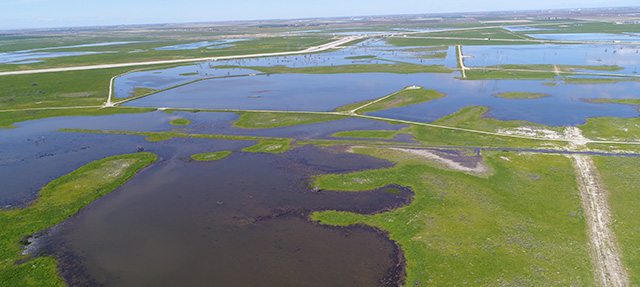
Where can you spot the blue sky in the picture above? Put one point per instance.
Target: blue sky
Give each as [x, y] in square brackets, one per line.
[16, 14]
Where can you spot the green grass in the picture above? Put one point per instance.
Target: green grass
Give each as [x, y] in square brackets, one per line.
[441, 55]
[474, 117]
[427, 49]
[479, 74]
[138, 92]
[7, 119]
[611, 128]
[518, 95]
[410, 42]
[74, 88]
[271, 120]
[512, 228]
[403, 98]
[360, 57]
[571, 80]
[398, 99]
[399, 68]
[550, 84]
[621, 178]
[253, 46]
[180, 122]
[632, 102]
[56, 202]
[367, 134]
[211, 156]
[270, 146]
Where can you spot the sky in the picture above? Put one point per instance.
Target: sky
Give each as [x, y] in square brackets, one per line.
[21, 14]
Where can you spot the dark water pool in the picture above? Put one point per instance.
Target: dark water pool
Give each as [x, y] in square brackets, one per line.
[239, 221]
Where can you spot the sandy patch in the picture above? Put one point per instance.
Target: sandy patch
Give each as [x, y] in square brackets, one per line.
[478, 167]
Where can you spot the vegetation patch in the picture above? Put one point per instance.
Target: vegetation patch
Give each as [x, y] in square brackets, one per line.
[398, 68]
[360, 57]
[521, 224]
[610, 128]
[517, 95]
[56, 202]
[251, 120]
[441, 55]
[367, 134]
[405, 97]
[270, 146]
[7, 119]
[550, 84]
[138, 92]
[211, 156]
[180, 122]
[621, 178]
[633, 102]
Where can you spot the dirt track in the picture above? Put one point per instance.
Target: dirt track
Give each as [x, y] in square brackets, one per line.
[606, 258]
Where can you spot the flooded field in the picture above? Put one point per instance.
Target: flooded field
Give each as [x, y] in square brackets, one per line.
[304, 92]
[627, 56]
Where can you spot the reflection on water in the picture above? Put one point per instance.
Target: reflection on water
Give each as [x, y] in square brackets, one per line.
[588, 37]
[33, 154]
[304, 92]
[627, 57]
[234, 222]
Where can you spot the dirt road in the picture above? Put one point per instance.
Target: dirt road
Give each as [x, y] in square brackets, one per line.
[605, 253]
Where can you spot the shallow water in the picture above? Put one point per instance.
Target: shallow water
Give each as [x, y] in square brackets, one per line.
[33, 154]
[161, 79]
[27, 56]
[304, 92]
[588, 37]
[233, 222]
[627, 57]
[197, 45]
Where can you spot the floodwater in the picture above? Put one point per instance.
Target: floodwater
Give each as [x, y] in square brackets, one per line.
[305, 92]
[34, 154]
[197, 45]
[161, 79]
[625, 56]
[385, 54]
[12, 57]
[239, 221]
[588, 37]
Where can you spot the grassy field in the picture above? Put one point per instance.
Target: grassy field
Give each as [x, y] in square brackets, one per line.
[367, 134]
[621, 178]
[519, 95]
[7, 119]
[272, 120]
[520, 226]
[252, 46]
[410, 42]
[57, 201]
[211, 156]
[401, 98]
[270, 146]
[611, 128]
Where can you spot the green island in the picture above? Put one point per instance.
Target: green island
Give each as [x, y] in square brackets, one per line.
[211, 156]
[180, 122]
